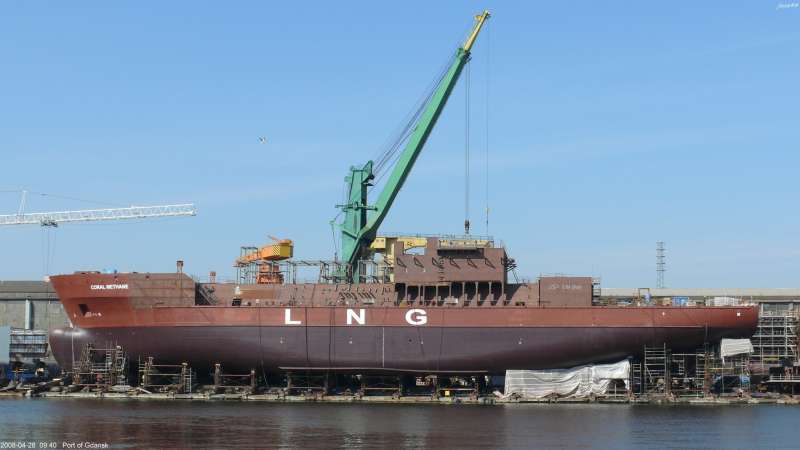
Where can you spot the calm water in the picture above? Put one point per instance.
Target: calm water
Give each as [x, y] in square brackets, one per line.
[179, 424]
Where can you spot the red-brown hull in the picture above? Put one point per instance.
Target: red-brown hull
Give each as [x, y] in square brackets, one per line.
[419, 338]
[428, 350]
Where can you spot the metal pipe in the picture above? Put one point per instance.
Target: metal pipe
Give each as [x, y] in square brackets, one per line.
[28, 314]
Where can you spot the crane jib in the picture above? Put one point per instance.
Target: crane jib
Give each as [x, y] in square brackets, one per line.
[358, 228]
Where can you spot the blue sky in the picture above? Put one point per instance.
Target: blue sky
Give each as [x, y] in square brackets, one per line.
[612, 125]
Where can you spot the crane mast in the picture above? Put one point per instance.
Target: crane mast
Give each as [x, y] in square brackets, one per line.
[361, 220]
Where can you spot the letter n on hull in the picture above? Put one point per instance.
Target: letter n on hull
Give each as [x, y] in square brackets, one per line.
[359, 318]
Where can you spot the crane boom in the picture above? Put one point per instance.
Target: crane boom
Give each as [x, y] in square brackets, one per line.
[358, 227]
[93, 215]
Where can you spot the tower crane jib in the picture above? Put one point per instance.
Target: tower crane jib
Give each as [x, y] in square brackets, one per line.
[94, 215]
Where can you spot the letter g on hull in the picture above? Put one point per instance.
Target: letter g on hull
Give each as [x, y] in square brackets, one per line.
[416, 317]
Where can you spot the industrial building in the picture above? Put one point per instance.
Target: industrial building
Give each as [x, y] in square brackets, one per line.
[28, 311]
[30, 305]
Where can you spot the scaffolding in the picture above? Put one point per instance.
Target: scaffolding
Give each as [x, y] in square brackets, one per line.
[252, 269]
[247, 273]
[731, 375]
[655, 370]
[28, 345]
[295, 271]
[687, 373]
[101, 368]
[775, 341]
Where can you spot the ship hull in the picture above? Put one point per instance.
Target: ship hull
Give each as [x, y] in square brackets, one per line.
[383, 349]
[368, 328]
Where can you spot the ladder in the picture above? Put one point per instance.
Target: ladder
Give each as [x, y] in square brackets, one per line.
[700, 371]
[186, 378]
[116, 364]
[636, 382]
[656, 373]
[206, 295]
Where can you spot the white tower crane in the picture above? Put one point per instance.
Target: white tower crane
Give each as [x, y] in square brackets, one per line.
[52, 219]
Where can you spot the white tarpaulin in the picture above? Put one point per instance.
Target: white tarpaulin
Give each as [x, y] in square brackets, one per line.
[576, 382]
[731, 347]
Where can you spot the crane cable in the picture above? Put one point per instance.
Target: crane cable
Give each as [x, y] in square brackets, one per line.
[486, 135]
[49, 235]
[466, 149]
[63, 197]
[387, 155]
[335, 242]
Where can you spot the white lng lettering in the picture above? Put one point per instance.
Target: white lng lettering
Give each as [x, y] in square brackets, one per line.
[288, 318]
[351, 316]
[416, 317]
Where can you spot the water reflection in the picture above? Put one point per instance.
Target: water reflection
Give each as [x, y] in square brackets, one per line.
[181, 424]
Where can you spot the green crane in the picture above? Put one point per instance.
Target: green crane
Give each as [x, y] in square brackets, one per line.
[361, 220]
